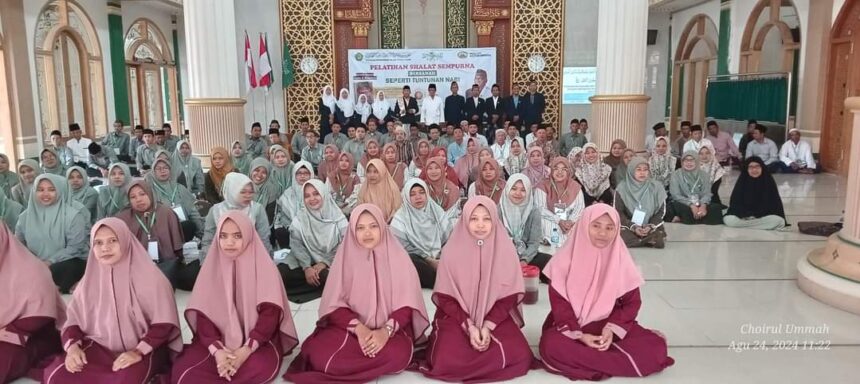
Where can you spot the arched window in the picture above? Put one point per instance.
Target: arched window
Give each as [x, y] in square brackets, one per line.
[771, 39]
[69, 70]
[151, 73]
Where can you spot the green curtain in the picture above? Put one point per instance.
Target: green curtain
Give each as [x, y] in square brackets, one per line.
[760, 99]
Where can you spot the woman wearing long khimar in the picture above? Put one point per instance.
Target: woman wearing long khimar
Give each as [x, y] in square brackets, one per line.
[479, 288]
[30, 317]
[238, 312]
[591, 332]
[122, 323]
[372, 311]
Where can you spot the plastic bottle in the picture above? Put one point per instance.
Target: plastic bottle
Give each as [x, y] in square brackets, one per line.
[554, 238]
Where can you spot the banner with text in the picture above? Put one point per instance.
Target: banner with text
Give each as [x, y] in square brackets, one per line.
[388, 70]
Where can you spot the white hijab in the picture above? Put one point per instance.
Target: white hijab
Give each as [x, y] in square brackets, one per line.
[381, 107]
[328, 100]
[363, 108]
[345, 103]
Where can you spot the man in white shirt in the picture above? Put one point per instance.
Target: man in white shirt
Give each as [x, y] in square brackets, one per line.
[583, 130]
[651, 140]
[473, 133]
[697, 140]
[796, 155]
[79, 145]
[500, 147]
[764, 148]
[514, 134]
[432, 110]
[531, 137]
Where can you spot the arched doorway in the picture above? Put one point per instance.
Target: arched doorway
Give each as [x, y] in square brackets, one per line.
[695, 59]
[151, 73]
[771, 43]
[843, 81]
[69, 71]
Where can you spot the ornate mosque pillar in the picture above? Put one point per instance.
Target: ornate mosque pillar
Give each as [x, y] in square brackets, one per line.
[832, 274]
[492, 20]
[619, 107]
[352, 20]
[215, 108]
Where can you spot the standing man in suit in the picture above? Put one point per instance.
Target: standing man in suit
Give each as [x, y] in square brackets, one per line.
[515, 107]
[535, 104]
[406, 107]
[494, 108]
[454, 104]
[474, 107]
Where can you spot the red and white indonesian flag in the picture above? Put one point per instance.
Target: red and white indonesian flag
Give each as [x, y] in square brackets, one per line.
[265, 64]
[250, 73]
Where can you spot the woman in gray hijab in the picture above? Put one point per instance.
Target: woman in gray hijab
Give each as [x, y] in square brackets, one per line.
[641, 203]
[422, 227]
[51, 162]
[112, 197]
[690, 188]
[28, 170]
[522, 215]
[174, 195]
[187, 168]
[9, 210]
[56, 229]
[315, 235]
[82, 192]
[8, 178]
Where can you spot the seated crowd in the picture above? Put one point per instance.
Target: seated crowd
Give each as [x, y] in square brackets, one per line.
[363, 220]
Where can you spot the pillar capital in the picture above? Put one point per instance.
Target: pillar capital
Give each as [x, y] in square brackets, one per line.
[360, 28]
[484, 27]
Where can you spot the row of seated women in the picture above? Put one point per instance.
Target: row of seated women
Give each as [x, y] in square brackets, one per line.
[122, 324]
[162, 214]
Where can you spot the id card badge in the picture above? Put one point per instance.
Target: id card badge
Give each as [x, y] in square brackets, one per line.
[152, 249]
[638, 217]
[180, 213]
[116, 151]
[281, 255]
[560, 211]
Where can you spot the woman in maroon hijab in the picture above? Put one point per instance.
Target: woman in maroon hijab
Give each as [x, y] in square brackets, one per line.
[29, 317]
[372, 311]
[479, 286]
[238, 312]
[591, 332]
[122, 326]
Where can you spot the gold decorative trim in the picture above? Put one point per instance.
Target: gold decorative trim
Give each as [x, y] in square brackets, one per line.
[484, 27]
[852, 104]
[359, 29]
[215, 101]
[364, 12]
[479, 11]
[614, 98]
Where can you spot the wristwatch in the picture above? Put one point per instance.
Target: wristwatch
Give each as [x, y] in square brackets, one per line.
[390, 330]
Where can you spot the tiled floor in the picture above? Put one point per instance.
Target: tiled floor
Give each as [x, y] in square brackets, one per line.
[707, 287]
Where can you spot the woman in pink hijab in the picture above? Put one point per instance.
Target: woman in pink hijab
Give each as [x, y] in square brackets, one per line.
[372, 311]
[29, 317]
[122, 326]
[591, 332]
[238, 312]
[479, 286]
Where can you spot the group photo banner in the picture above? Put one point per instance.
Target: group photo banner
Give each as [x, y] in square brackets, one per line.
[388, 70]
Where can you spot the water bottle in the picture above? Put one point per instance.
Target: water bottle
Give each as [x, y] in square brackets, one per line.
[554, 238]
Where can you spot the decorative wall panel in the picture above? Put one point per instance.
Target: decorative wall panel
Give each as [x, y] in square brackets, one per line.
[538, 29]
[308, 27]
[456, 23]
[391, 24]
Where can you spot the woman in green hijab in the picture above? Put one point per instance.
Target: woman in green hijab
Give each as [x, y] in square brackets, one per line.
[241, 159]
[174, 195]
[264, 189]
[56, 229]
[9, 210]
[51, 162]
[282, 169]
[28, 170]
[641, 203]
[8, 178]
[112, 197]
[187, 168]
[82, 192]
[690, 188]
